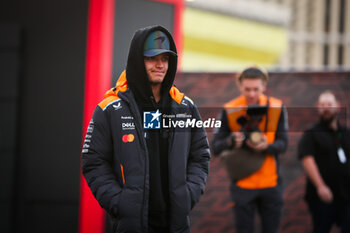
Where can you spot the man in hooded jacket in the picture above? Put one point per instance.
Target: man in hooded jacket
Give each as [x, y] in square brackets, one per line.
[145, 176]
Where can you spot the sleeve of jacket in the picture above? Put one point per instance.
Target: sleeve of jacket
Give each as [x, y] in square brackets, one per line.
[198, 161]
[97, 162]
[281, 139]
[222, 135]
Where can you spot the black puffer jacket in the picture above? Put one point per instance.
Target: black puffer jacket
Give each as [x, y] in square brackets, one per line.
[115, 160]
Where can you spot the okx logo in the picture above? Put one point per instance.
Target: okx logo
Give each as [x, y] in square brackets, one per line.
[151, 120]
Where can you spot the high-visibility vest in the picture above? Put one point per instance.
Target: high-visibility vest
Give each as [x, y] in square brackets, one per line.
[266, 176]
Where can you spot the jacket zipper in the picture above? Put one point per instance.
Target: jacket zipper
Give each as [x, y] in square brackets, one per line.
[138, 123]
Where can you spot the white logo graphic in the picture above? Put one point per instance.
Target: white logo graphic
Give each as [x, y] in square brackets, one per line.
[128, 125]
[151, 120]
[117, 106]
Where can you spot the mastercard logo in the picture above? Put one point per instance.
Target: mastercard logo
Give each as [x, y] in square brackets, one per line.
[128, 138]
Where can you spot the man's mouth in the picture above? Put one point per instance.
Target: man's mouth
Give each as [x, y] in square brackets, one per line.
[158, 72]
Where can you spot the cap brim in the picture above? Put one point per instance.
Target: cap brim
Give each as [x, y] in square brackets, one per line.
[155, 52]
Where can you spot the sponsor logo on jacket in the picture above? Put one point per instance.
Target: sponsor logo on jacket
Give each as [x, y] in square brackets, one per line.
[128, 125]
[117, 106]
[128, 138]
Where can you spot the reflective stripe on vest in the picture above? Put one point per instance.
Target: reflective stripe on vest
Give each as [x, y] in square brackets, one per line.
[266, 176]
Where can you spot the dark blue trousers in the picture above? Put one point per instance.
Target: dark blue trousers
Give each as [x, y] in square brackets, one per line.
[325, 215]
[267, 202]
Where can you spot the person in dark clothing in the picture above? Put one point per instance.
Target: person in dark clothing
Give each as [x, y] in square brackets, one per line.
[324, 151]
[259, 190]
[146, 177]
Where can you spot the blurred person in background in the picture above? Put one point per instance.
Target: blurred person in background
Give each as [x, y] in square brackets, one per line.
[324, 151]
[254, 132]
[147, 178]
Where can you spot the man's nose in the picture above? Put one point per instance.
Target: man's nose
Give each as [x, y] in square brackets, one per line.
[251, 93]
[159, 63]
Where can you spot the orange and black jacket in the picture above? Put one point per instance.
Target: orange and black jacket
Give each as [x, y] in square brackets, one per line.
[276, 131]
[116, 158]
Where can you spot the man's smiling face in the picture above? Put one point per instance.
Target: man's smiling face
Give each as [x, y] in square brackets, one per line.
[156, 68]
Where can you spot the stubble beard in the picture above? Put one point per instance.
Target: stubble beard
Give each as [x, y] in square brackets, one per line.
[328, 119]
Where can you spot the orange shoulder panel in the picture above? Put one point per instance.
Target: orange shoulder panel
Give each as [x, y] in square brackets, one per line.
[112, 94]
[176, 94]
[108, 100]
[122, 83]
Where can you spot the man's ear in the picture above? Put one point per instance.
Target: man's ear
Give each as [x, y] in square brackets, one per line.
[238, 82]
[264, 86]
[239, 86]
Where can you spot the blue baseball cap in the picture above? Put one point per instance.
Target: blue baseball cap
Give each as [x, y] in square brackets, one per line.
[156, 43]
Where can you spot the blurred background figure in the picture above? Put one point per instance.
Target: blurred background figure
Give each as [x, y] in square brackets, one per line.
[324, 151]
[254, 136]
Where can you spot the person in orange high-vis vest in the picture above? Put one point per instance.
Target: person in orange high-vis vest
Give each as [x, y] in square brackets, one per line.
[261, 190]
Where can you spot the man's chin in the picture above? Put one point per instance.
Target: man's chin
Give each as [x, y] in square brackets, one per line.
[327, 118]
[253, 102]
[155, 83]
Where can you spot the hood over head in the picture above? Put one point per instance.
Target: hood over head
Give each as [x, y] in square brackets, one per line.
[135, 69]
